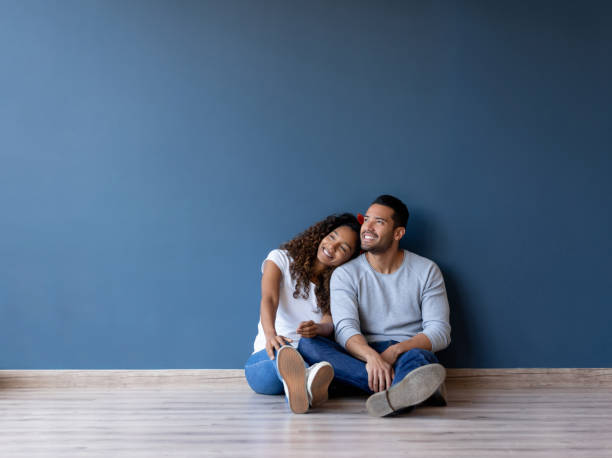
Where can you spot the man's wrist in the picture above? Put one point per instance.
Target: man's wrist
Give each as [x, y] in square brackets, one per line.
[371, 355]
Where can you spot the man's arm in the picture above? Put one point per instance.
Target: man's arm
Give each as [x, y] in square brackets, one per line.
[345, 313]
[380, 372]
[344, 306]
[435, 315]
[391, 354]
[435, 311]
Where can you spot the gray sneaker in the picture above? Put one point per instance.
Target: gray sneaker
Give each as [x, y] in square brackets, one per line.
[416, 387]
[438, 399]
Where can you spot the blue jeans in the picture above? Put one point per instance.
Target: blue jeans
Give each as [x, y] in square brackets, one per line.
[262, 373]
[352, 371]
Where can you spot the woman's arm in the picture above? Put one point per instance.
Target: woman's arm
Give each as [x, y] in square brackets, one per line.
[323, 328]
[270, 285]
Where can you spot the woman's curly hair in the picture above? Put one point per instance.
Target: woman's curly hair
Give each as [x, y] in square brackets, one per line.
[303, 253]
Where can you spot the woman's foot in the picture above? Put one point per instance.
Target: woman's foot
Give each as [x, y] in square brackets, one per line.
[293, 372]
[318, 378]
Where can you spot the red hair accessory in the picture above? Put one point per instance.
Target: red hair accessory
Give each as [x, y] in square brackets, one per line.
[360, 218]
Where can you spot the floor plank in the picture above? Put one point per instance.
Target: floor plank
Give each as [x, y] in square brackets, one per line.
[227, 419]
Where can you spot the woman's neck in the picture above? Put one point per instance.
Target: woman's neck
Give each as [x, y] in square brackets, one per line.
[317, 269]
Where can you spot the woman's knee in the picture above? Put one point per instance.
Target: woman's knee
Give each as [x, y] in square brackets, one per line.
[262, 378]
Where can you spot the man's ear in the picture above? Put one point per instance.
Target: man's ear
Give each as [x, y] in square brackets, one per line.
[398, 233]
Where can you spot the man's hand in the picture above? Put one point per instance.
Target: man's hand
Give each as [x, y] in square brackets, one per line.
[308, 329]
[391, 354]
[274, 342]
[380, 373]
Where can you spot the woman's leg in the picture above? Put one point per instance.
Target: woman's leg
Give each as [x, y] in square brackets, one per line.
[262, 375]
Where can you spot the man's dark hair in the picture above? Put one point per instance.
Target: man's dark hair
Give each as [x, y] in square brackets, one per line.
[400, 211]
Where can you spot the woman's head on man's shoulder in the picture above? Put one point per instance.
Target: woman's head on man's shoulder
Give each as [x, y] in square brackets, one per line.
[317, 251]
[328, 243]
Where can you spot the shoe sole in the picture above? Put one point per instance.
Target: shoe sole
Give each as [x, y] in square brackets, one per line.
[292, 370]
[438, 399]
[320, 385]
[416, 387]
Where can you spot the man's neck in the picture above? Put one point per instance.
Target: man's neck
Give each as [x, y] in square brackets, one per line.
[387, 262]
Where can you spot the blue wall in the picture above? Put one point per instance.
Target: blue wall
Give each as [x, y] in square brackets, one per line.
[153, 152]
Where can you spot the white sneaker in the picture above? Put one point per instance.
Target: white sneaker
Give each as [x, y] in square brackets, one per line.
[318, 378]
[293, 372]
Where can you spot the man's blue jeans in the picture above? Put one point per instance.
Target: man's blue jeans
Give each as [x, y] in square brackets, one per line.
[262, 373]
[352, 371]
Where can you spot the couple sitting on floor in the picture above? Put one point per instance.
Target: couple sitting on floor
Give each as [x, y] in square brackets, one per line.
[386, 308]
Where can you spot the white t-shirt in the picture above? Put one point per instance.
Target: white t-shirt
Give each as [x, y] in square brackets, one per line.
[291, 312]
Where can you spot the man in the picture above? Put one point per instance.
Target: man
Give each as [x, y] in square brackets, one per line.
[390, 313]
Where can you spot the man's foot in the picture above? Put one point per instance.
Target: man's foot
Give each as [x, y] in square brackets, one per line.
[293, 371]
[318, 378]
[416, 387]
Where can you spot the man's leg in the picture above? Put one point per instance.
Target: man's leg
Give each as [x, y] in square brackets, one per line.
[409, 361]
[413, 359]
[417, 377]
[347, 370]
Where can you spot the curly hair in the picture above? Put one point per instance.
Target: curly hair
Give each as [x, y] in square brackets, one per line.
[303, 253]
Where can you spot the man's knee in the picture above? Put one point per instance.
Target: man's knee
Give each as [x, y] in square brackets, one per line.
[312, 348]
[418, 354]
[308, 345]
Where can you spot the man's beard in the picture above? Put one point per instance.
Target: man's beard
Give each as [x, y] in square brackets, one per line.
[379, 248]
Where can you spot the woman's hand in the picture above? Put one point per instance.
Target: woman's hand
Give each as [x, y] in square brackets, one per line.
[308, 329]
[274, 342]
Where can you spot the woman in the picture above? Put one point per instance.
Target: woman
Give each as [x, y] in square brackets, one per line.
[294, 304]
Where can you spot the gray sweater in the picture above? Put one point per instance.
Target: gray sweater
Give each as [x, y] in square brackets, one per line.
[395, 306]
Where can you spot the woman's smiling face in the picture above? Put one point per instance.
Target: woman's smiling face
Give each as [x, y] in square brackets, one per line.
[337, 247]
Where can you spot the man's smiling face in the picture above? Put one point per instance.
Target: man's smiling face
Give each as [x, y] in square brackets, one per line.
[377, 229]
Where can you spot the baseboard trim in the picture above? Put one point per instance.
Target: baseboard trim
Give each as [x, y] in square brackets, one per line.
[194, 378]
[532, 378]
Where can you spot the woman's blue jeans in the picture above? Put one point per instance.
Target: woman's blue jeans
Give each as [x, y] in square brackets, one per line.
[352, 371]
[262, 373]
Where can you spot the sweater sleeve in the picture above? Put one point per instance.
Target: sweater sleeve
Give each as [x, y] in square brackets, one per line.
[435, 310]
[344, 306]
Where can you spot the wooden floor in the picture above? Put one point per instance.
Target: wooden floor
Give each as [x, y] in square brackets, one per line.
[217, 415]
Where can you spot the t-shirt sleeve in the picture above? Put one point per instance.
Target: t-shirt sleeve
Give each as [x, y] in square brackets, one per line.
[278, 257]
[435, 310]
[344, 306]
